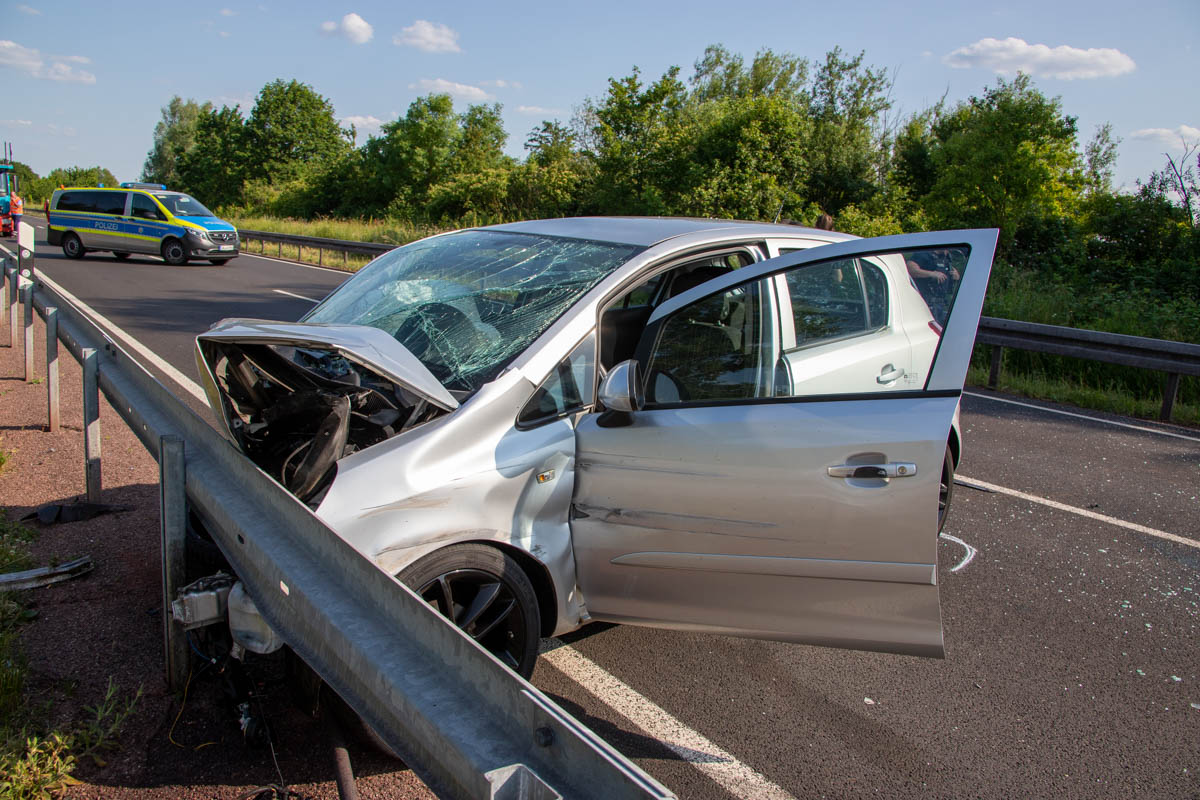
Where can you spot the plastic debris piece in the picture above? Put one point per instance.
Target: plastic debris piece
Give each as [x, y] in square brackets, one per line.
[868, 701]
[44, 576]
[1176, 678]
[71, 512]
[1141, 672]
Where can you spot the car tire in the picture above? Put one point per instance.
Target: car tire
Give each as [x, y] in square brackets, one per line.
[945, 489]
[121, 256]
[174, 253]
[487, 595]
[219, 262]
[72, 246]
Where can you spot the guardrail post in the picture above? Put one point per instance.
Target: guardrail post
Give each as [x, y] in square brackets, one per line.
[994, 373]
[27, 301]
[172, 506]
[91, 423]
[52, 418]
[1170, 389]
[14, 300]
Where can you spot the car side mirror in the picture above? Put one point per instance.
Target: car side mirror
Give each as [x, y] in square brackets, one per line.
[621, 390]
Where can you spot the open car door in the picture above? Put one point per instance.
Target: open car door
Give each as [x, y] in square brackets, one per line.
[741, 499]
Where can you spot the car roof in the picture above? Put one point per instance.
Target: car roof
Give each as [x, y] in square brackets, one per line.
[647, 231]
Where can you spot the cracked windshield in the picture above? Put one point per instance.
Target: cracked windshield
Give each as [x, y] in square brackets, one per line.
[466, 304]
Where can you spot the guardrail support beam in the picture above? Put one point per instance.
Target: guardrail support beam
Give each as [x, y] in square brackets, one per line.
[27, 301]
[52, 417]
[14, 287]
[994, 372]
[4, 296]
[172, 507]
[91, 423]
[1170, 390]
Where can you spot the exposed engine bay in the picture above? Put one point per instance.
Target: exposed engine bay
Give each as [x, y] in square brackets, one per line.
[296, 411]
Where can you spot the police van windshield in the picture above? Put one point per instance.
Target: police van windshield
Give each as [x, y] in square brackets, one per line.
[182, 205]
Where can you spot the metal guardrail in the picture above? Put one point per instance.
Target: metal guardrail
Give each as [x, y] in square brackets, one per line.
[322, 246]
[1173, 358]
[465, 723]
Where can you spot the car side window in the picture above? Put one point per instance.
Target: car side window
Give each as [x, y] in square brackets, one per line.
[110, 203]
[712, 350]
[837, 299]
[567, 389]
[144, 208]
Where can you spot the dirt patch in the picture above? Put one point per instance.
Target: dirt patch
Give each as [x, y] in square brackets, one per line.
[107, 626]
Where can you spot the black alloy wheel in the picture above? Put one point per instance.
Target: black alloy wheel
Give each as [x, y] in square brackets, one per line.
[72, 246]
[487, 595]
[945, 489]
[174, 253]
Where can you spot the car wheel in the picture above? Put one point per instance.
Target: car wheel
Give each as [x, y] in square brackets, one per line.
[945, 489]
[219, 262]
[72, 246]
[174, 253]
[487, 595]
[121, 256]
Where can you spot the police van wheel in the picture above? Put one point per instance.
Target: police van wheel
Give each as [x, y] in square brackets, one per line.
[72, 247]
[173, 252]
[120, 256]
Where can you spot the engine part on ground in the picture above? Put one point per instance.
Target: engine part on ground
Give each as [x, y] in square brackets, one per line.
[247, 626]
[202, 602]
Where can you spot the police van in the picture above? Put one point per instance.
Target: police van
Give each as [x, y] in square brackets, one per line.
[138, 218]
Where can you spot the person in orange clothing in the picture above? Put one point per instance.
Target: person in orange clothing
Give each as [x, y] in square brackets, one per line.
[15, 209]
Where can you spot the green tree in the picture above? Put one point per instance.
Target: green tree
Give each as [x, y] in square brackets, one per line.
[1004, 159]
[721, 74]
[290, 128]
[215, 168]
[174, 136]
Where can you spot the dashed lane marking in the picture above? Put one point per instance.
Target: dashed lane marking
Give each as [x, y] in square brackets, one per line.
[190, 386]
[1060, 412]
[691, 746]
[297, 296]
[1083, 512]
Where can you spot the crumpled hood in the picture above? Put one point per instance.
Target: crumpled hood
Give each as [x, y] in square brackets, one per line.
[369, 346]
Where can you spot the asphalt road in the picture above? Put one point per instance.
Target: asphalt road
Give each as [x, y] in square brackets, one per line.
[1072, 667]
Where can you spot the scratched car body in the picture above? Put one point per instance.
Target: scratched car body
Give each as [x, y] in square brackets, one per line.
[704, 425]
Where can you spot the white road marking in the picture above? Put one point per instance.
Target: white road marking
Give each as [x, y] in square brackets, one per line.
[108, 325]
[297, 296]
[971, 551]
[691, 746]
[1083, 512]
[1142, 428]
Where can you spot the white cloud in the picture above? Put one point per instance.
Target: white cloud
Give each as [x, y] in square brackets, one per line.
[499, 83]
[1168, 136]
[550, 112]
[228, 12]
[432, 37]
[15, 123]
[460, 91]
[364, 125]
[30, 60]
[353, 27]
[1011, 55]
[33, 12]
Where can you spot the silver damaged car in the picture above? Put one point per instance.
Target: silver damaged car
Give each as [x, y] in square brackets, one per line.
[705, 425]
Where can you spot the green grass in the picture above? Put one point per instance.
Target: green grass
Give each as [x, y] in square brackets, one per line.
[355, 230]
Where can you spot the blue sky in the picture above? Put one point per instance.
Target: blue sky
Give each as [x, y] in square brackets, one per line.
[85, 81]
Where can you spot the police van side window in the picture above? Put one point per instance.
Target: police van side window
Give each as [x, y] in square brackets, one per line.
[111, 202]
[144, 208]
[76, 201]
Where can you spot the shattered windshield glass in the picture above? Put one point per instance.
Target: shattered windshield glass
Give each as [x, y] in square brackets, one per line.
[466, 304]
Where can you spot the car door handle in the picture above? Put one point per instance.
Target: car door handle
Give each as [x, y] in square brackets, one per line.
[893, 469]
[890, 374]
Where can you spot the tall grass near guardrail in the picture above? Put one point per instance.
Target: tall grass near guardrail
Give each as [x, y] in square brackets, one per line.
[1024, 295]
[389, 231]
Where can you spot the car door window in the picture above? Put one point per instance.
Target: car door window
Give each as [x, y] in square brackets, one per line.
[569, 388]
[712, 350]
[728, 347]
[144, 208]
